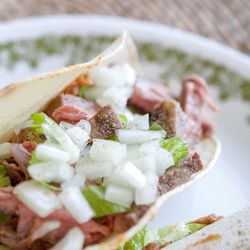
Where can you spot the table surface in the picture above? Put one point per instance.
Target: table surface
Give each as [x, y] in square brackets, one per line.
[227, 21]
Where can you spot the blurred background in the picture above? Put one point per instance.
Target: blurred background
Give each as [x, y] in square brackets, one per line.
[227, 21]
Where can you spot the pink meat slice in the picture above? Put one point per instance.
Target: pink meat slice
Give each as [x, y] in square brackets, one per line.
[71, 108]
[147, 94]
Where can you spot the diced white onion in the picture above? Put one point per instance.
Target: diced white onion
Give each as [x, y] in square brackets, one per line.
[74, 201]
[107, 150]
[164, 159]
[126, 72]
[40, 200]
[79, 136]
[106, 77]
[51, 171]
[45, 228]
[94, 169]
[5, 150]
[65, 125]
[145, 163]
[117, 179]
[85, 125]
[56, 134]
[133, 175]
[78, 180]
[117, 97]
[147, 194]
[93, 92]
[51, 153]
[119, 195]
[137, 136]
[140, 122]
[133, 151]
[73, 240]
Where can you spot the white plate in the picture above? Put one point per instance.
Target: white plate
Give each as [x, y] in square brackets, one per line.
[227, 188]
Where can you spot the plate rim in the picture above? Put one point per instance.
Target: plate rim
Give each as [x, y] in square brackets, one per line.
[140, 29]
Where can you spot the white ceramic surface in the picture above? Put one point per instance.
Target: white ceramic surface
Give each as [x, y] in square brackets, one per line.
[227, 188]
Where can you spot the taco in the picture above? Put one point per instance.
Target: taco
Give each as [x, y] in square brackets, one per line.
[89, 153]
[209, 232]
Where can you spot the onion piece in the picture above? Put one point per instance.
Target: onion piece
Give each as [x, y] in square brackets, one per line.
[117, 179]
[51, 153]
[79, 136]
[137, 136]
[107, 150]
[145, 163]
[78, 180]
[119, 195]
[140, 122]
[117, 97]
[126, 72]
[51, 171]
[5, 150]
[73, 240]
[85, 125]
[45, 228]
[40, 200]
[93, 92]
[133, 175]
[74, 201]
[65, 125]
[147, 194]
[93, 169]
[133, 151]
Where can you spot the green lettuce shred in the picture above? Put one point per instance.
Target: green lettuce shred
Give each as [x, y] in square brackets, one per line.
[33, 158]
[49, 186]
[123, 118]
[3, 247]
[82, 91]
[177, 146]
[155, 126]
[4, 179]
[37, 120]
[161, 235]
[95, 197]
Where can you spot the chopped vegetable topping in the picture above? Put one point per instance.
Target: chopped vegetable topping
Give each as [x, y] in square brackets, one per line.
[95, 197]
[123, 118]
[82, 90]
[177, 146]
[4, 179]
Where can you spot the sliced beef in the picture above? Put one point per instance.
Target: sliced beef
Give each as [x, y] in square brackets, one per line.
[15, 172]
[180, 173]
[147, 94]
[105, 123]
[196, 103]
[208, 219]
[71, 109]
[171, 118]
[123, 222]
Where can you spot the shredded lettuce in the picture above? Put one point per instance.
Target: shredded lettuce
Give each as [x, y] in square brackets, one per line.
[33, 158]
[82, 90]
[95, 197]
[123, 118]
[161, 235]
[4, 179]
[37, 120]
[155, 126]
[177, 146]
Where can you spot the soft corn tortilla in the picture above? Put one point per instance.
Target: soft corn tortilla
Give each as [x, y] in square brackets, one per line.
[21, 99]
[230, 233]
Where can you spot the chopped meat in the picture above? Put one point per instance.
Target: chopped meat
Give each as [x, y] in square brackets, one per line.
[179, 173]
[105, 123]
[29, 134]
[71, 109]
[123, 222]
[171, 118]
[208, 219]
[147, 94]
[151, 246]
[195, 102]
[15, 172]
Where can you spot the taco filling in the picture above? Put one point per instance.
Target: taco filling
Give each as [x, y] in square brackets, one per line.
[91, 164]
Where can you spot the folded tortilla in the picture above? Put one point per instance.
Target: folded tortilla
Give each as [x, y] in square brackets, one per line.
[232, 232]
[21, 99]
